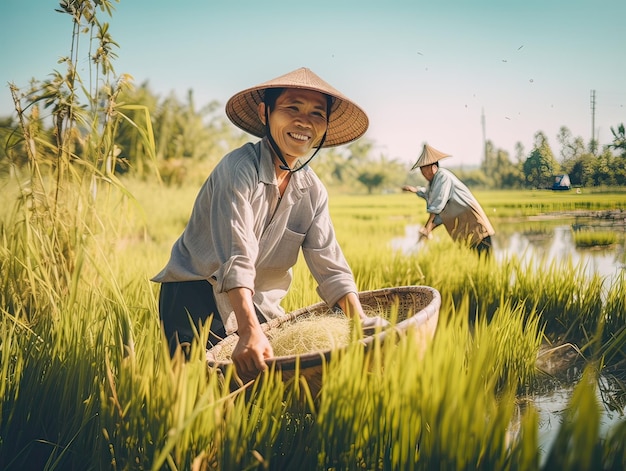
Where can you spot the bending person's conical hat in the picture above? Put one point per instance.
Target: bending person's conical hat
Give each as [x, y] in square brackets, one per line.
[429, 156]
[347, 120]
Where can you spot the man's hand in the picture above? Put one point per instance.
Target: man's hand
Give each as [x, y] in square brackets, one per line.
[372, 325]
[253, 347]
[424, 234]
[418, 190]
[250, 353]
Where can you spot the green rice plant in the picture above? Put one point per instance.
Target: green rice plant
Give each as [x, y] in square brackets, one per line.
[86, 380]
[524, 203]
[514, 337]
[457, 272]
[92, 386]
[12, 362]
[53, 400]
[409, 411]
[54, 217]
[569, 301]
[614, 321]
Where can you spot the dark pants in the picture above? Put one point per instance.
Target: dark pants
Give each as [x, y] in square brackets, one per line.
[186, 303]
[484, 246]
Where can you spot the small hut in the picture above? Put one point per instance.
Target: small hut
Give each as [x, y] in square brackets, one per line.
[562, 182]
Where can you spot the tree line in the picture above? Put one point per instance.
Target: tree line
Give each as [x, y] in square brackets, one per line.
[538, 169]
[189, 140]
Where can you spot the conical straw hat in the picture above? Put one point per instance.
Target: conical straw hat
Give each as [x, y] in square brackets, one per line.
[429, 156]
[347, 120]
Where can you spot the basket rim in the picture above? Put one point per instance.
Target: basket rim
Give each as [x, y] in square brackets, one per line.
[307, 359]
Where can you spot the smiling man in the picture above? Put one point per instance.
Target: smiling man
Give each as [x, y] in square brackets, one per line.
[260, 206]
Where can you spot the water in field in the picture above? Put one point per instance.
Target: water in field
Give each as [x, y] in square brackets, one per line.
[553, 403]
[553, 242]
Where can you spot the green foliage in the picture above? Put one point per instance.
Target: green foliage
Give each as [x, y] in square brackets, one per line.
[619, 139]
[499, 170]
[54, 219]
[609, 170]
[541, 166]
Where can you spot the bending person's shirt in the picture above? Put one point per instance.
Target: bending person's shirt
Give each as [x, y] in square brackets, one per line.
[456, 208]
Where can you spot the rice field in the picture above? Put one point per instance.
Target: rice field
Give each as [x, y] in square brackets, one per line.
[87, 382]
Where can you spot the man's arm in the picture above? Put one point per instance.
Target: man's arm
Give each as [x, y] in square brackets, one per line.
[351, 306]
[418, 190]
[253, 347]
[428, 227]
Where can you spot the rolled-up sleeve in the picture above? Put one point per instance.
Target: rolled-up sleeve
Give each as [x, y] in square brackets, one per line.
[439, 193]
[235, 244]
[325, 258]
[219, 244]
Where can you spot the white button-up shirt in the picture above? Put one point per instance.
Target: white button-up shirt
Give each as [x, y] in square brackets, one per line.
[456, 208]
[241, 234]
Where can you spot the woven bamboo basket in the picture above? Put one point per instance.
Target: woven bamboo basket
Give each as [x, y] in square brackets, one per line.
[412, 307]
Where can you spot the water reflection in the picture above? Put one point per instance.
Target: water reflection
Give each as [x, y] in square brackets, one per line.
[558, 246]
[553, 243]
[552, 405]
[548, 241]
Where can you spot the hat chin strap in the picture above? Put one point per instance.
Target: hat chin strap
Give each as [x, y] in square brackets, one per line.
[285, 165]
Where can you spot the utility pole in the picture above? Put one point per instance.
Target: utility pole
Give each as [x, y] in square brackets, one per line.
[592, 144]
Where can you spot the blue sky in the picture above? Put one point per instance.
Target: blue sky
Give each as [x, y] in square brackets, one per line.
[424, 71]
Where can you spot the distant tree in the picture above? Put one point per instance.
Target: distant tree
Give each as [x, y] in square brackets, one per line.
[338, 166]
[372, 179]
[609, 169]
[541, 166]
[581, 169]
[571, 147]
[619, 139]
[489, 164]
[332, 166]
[520, 153]
[474, 178]
[603, 170]
[359, 151]
[512, 176]
[498, 169]
[185, 135]
[379, 174]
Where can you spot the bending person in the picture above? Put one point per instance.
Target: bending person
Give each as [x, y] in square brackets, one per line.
[451, 203]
